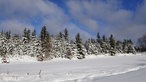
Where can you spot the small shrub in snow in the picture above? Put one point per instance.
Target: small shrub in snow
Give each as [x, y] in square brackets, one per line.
[4, 60]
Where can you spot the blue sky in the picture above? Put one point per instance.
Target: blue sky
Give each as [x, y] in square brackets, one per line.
[122, 18]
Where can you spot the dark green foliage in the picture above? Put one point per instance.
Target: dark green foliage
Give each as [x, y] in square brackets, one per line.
[45, 41]
[61, 46]
[27, 34]
[119, 47]
[93, 40]
[104, 44]
[66, 34]
[44, 33]
[141, 42]
[112, 45]
[78, 39]
[128, 47]
[112, 41]
[60, 36]
[98, 38]
[34, 33]
[8, 35]
[79, 47]
[104, 39]
[2, 52]
[131, 48]
[3, 49]
[80, 51]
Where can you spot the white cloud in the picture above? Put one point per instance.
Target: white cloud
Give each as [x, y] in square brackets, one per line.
[118, 21]
[107, 16]
[49, 14]
[141, 12]
[25, 8]
[19, 13]
[73, 30]
[14, 26]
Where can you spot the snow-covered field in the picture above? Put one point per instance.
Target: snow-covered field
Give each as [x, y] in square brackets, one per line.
[129, 68]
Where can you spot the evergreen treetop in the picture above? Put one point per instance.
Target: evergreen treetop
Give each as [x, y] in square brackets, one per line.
[66, 34]
[112, 41]
[34, 33]
[78, 39]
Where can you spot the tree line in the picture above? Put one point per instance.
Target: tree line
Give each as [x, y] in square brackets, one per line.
[47, 47]
[141, 44]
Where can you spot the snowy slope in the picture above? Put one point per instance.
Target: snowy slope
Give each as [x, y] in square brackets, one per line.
[93, 69]
[134, 76]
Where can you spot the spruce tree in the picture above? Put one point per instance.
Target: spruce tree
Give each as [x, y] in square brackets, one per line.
[112, 41]
[104, 38]
[124, 47]
[141, 43]
[79, 47]
[44, 33]
[3, 43]
[28, 34]
[131, 48]
[98, 38]
[66, 34]
[45, 41]
[25, 32]
[2, 51]
[8, 34]
[112, 45]
[119, 47]
[103, 44]
[60, 35]
[78, 39]
[34, 33]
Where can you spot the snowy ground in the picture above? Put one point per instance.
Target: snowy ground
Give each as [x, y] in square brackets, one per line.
[130, 68]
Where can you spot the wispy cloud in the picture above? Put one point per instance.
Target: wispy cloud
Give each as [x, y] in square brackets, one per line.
[14, 26]
[49, 14]
[106, 16]
[117, 20]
